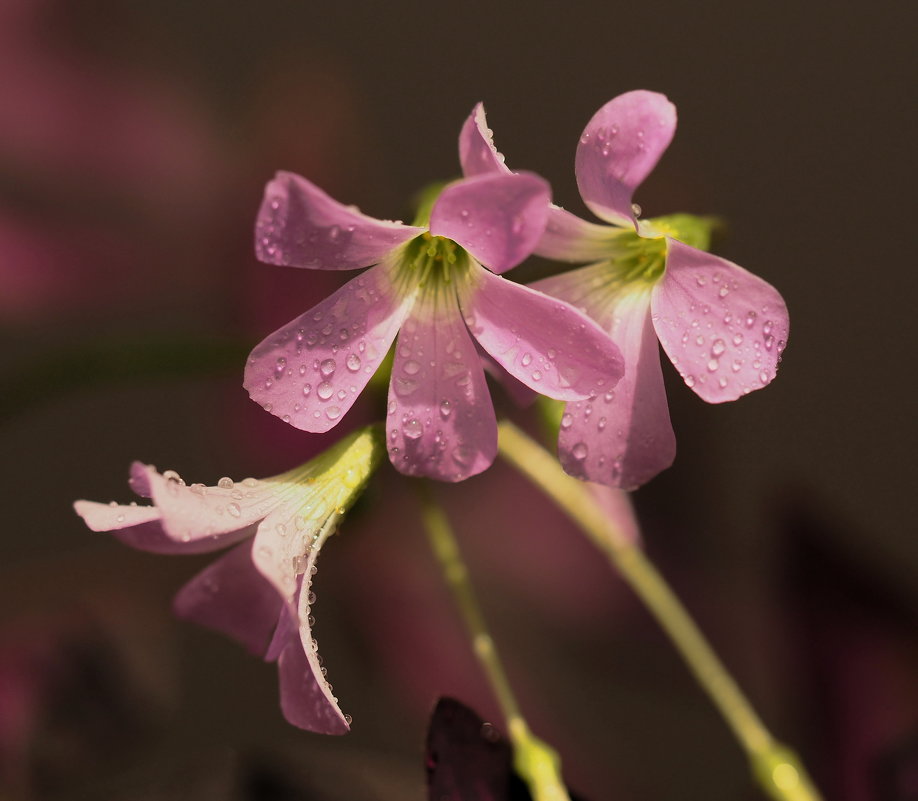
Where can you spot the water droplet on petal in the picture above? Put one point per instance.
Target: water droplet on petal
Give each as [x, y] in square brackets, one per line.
[579, 451]
[353, 362]
[327, 367]
[324, 390]
[445, 409]
[567, 420]
[413, 428]
[411, 367]
[226, 483]
[279, 366]
[234, 509]
[333, 412]
[526, 360]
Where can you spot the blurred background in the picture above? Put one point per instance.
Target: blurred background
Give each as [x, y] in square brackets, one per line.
[135, 141]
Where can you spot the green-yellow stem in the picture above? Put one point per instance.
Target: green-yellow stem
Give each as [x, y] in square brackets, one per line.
[777, 769]
[534, 760]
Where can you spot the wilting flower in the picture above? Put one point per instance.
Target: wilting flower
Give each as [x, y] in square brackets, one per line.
[723, 328]
[260, 591]
[430, 286]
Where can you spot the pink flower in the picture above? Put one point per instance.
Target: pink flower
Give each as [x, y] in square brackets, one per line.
[259, 592]
[723, 328]
[430, 287]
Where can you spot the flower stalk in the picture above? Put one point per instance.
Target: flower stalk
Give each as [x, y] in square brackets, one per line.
[775, 767]
[535, 761]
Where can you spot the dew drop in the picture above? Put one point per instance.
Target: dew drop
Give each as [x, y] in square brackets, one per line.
[327, 367]
[579, 451]
[690, 380]
[718, 347]
[537, 375]
[750, 319]
[446, 409]
[413, 428]
[737, 339]
[226, 483]
[526, 360]
[325, 390]
[234, 509]
[411, 367]
[713, 364]
[353, 362]
[279, 366]
[307, 388]
[333, 412]
[567, 420]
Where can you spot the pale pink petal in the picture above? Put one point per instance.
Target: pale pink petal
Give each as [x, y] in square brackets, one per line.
[310, 372]
[618, 508]
[477, 153]
[304, 699]
[543, 342]
[723, 328]
[306, 696]
[231, 596]
[138, 480]
[440, 419]
[298, 225]
[206, 518]
[623, 437]
[141, 527]
[499, 219]
[619, 147]
[568, 238]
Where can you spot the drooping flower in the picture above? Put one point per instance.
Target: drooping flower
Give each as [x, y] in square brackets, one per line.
[259, 592]
[430, 287]
[723, 328]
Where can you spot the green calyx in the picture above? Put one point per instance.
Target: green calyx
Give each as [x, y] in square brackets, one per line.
[640, 258]
[433, 259]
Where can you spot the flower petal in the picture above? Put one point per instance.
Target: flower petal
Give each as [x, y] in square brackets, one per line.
[305, 696]
[440, 419]
[477, 153]
[568, 238]
[231, 596]
[623, 437]
[310, 372]
[543, 342]
[723, 328]
[499, 219]
[298, 225]
[619, 147]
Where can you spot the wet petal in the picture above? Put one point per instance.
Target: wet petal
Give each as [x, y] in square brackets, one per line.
[543, 342]
[305, 696]
[499, 219]
[232, 597]
[440, 419]
[568, 238]
[623, 437]
[723, 328]
[298, 225]
[477, 153]
[310, 372]
[619, 147]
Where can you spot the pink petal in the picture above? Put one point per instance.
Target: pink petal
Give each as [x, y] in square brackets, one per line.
[231, 596]
[723, 328]
[477, 153]
[568, 238]
[207, 518]
[543, 342]
[623, 437]
[305, 696]
[141, 527]
[619, 510]
[619, 147]
[310, 372]
[499, 219]
[440, 419]
[298, 225]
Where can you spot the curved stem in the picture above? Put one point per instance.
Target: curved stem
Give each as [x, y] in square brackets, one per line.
[777, 769]
[534, 760]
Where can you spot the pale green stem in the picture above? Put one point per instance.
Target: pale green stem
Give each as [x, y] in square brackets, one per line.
[777, 769]
[534, 760]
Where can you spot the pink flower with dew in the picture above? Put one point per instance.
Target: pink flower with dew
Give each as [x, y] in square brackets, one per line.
[260, 591]
[723, 328]
[428, 286]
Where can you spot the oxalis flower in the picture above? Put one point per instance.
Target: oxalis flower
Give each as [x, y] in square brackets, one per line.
[723, 328]
[260, 591]
[430, 287]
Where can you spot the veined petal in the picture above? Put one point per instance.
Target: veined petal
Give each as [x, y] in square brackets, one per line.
[310, 372]
[543, 342]
[497, 218]
[477, 153]
[440, 419]
[623, 437]
[619, 147]
[232, 597]
[568, 238]
[298, 225]
[723, 328]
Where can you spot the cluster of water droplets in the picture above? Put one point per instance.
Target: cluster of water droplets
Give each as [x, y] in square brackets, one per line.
[726, 343]
[595, 415]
